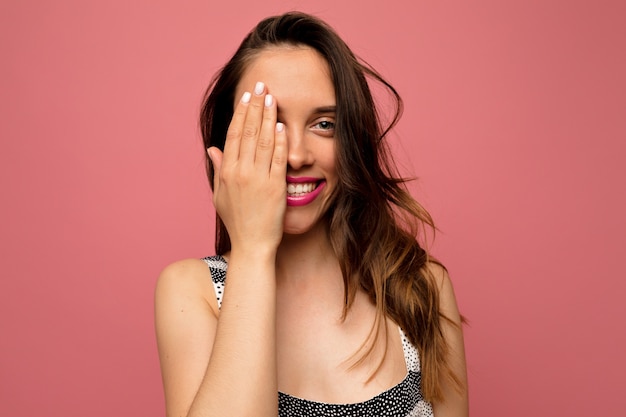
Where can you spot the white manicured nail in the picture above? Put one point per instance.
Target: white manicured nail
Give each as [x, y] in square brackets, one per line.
[258, 88]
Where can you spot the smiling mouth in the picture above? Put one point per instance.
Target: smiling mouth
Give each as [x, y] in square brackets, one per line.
[300, 189]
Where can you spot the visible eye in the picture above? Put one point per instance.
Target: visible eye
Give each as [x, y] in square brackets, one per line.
[324, 128]
[326, 125]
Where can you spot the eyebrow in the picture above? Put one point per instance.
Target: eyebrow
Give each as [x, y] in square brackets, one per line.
[325, 109]
[317, 110]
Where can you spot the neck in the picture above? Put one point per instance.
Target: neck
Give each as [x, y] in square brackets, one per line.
[305, 256]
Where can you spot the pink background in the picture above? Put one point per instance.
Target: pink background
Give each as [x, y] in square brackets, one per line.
[514, 123]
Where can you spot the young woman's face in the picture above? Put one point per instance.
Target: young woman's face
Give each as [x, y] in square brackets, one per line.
[299, 80]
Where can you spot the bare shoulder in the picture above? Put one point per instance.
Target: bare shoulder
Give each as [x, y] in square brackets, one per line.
[455, 394]
[447, 298]
[439, 273]
[185, 269]
[185, 321]
[186, 282]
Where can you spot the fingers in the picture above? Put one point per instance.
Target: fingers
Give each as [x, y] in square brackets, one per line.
[250, 139]
[216, 157]
[233, 136]
[265, 143]
[278, 167]
[253, 124]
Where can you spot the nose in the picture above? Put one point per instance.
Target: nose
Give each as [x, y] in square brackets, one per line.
[299, 154]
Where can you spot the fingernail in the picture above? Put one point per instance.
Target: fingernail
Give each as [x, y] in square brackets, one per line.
[208, 152]
[246, 97]
[280, 127]
[268, 100]
[258, 88]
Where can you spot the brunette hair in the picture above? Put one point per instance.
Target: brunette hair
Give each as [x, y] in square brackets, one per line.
[373, 221]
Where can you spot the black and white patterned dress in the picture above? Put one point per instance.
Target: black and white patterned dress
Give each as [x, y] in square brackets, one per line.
[404, 399]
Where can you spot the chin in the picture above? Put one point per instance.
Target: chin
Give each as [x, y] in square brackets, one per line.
[299, 225]
[296, 230]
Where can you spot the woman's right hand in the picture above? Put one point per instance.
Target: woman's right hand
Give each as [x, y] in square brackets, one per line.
[249, 191]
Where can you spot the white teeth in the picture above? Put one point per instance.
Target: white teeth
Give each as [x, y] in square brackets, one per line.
[301, 188]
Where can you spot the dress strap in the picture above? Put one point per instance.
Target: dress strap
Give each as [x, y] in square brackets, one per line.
[411, 357]
[217, 265]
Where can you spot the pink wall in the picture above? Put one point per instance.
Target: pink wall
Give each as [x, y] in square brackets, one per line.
[514, 123]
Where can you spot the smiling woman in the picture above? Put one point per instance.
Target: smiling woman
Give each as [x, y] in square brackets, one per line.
[297, 78]
[319, 300]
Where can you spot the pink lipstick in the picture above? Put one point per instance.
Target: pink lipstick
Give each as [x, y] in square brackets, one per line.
[303, 190]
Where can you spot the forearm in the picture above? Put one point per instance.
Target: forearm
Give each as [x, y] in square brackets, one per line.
[240, 379]
[249, 194]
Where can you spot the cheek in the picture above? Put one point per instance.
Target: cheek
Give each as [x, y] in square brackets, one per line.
[330, 163]
[331, 153]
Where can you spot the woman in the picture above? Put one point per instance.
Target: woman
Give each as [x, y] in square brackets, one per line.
[320, 291]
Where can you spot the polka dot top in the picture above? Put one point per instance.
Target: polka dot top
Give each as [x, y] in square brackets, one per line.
[404, 399]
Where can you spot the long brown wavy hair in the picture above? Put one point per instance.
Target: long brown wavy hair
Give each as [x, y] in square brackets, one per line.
[374, 223]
